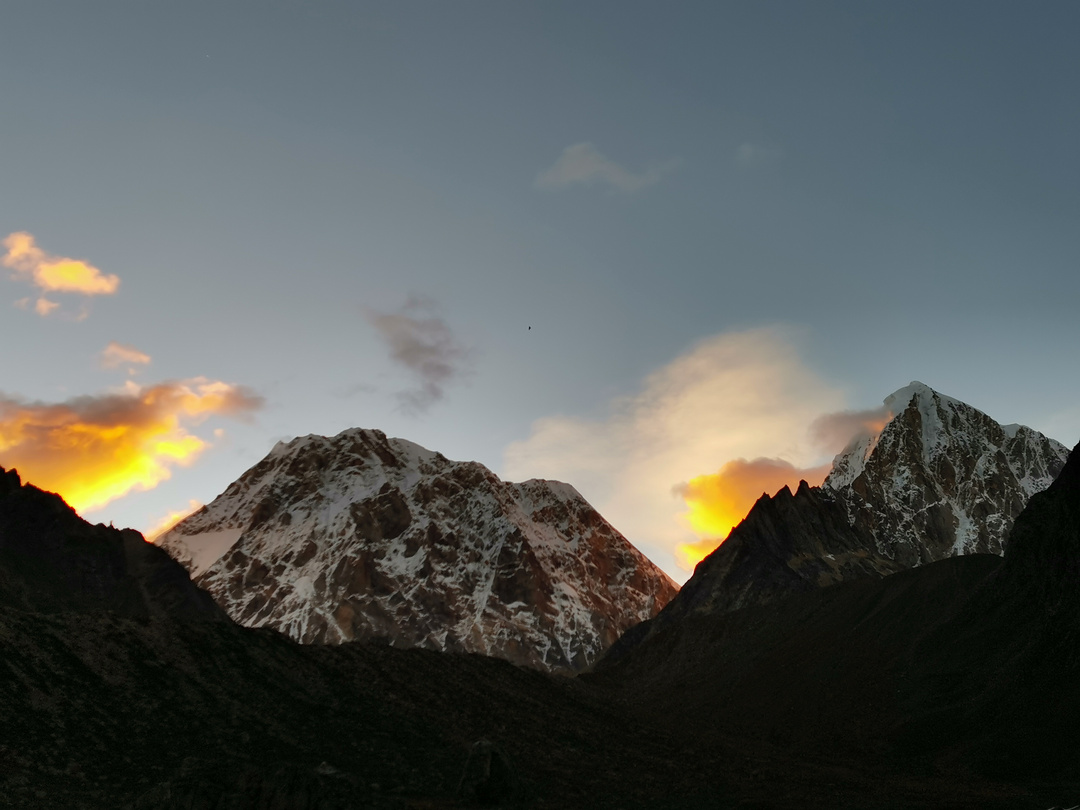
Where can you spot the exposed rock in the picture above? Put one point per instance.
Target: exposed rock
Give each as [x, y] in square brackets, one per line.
[360, 536]
[941, 479]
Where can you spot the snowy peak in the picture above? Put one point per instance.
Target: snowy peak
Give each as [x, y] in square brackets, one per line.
[942, 477]
[329, 539]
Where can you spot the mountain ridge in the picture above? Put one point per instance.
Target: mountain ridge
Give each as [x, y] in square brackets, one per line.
[358, 535]
[941, 478]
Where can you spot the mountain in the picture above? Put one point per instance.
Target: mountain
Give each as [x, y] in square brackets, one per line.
[53, 561]
[908, 691]
[358, 536]
[123, 685]
[967, 667]
[940, 479]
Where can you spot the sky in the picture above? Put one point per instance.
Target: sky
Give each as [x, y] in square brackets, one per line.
[675, 254]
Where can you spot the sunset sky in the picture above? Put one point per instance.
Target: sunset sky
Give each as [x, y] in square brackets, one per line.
[228, 223]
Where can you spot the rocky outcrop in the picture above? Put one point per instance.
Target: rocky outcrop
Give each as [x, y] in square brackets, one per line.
[360, 536]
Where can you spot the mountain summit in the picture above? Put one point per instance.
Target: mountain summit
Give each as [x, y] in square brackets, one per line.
[941, 479]
[360, 535]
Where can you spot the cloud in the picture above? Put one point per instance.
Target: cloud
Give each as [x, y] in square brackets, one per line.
[53, 273]
[719, 501]
[95, 449]
[834, 431]
[120, 354]
[169, 520]
[425, 346]
[582, 163]
[734, 396]
[751, 155]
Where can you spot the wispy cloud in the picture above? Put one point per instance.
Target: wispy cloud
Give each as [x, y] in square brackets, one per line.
[834, 431]
[583, 164]
[116, 355]
[422, 343]
[735, 396]
[53, 274]
[95, 449]
[751, 155]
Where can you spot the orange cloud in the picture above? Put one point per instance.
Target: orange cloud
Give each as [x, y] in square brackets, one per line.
[732, 396]
[95, 449]
[43, 306]
[53, 273]
[119, 354]
[718, 502]
[171, 519]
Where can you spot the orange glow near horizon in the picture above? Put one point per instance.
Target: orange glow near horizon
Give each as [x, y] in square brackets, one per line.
[718, 502]
[93, 450]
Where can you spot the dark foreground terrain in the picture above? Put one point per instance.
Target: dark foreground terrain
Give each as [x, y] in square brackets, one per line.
[954, 685]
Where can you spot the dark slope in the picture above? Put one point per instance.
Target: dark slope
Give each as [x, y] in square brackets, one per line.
[968, 667]
[51, 560]
[109, 706]
[788, 544]
[123, 685]
[941, 479]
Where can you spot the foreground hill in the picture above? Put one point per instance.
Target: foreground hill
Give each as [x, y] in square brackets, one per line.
[360, 536]
[117, 703]
[968, 666]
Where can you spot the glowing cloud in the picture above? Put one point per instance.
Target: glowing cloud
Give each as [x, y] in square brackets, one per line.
[720, 501]
[733, 396]
[171, 519]
[52, 273]
[95, 449]
[583, 164]
[116, 355]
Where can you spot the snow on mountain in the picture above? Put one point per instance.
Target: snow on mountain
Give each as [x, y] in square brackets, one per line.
[942, 478]
[358, 535]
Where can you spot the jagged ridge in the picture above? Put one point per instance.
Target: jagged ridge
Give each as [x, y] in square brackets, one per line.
[941, 479]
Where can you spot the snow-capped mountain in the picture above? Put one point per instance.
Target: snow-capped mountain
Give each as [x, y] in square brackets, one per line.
[941, 479]
[358, 535]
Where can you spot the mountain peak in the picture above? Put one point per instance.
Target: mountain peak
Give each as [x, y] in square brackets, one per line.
[330, 539]
[941, 478]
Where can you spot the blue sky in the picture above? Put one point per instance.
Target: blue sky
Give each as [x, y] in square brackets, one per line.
[357, 210]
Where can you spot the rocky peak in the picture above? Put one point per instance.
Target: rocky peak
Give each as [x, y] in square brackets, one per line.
[942, 478]
[330, 539]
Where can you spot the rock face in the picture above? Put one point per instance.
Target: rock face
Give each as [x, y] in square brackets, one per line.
[941, 479]
[359, 536]
[969, 662]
